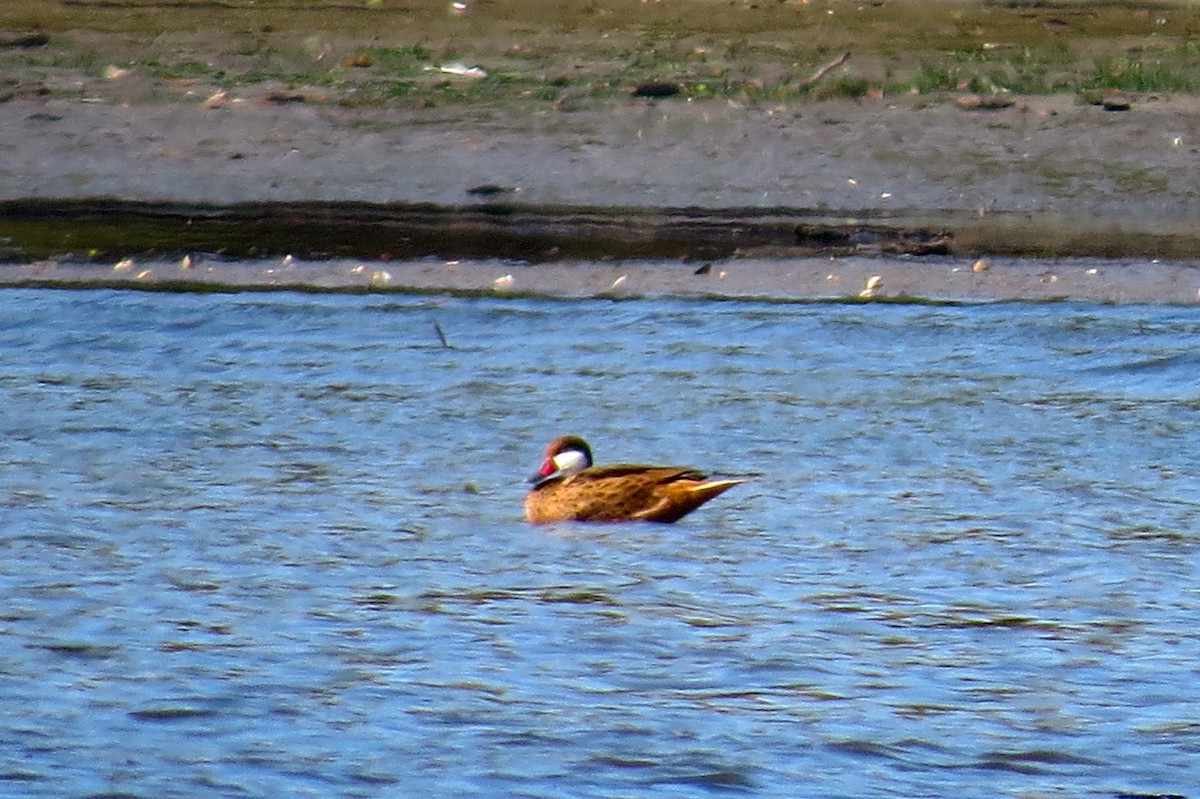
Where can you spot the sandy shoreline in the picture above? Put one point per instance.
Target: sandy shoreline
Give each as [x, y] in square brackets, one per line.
[1048, 175]
[835, 279]
[1048, 155]
[648, 155]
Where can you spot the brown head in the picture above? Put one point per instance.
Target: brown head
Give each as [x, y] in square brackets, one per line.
[566, 455]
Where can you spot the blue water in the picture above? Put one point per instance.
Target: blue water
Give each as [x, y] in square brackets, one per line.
[270, 545]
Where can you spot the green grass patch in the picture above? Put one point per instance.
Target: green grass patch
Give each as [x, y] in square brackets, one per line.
[717, 49]
[399, 61]
[1136, 75]
[182, 69]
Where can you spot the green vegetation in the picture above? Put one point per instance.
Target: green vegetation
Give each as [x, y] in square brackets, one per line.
[1136, 75]
[551, 52]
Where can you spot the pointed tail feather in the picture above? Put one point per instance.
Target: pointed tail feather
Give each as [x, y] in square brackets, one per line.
[715, 488]
[697, 495]
[674, 505]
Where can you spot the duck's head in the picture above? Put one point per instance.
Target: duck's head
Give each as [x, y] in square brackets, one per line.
[565, 456]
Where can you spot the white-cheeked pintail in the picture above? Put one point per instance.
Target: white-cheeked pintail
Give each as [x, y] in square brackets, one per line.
[569, 488]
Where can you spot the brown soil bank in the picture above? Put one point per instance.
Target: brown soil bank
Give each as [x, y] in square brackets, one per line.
[1047, 129]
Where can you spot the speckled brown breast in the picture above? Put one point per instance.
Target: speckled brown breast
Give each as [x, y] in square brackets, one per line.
[623, 493]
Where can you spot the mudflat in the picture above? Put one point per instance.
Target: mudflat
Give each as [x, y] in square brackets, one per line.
[1053, 130]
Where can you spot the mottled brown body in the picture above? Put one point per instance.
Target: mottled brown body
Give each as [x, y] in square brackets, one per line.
[617, 493]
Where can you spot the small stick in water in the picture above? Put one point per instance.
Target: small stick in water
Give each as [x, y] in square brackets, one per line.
[441, 334]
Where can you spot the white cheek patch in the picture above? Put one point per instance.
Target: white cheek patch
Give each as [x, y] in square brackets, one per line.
[570, 461]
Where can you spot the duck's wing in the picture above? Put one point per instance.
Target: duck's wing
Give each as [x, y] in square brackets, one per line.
[651, 474]
[678, 498]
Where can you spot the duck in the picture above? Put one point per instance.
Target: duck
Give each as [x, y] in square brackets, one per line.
[568, 487]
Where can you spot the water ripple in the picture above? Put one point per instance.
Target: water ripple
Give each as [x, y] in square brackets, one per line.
[271, 545]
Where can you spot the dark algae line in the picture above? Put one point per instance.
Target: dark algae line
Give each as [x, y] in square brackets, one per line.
[104, 229]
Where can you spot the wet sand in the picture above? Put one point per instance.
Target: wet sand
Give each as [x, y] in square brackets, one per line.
[849, 279]
[1136, 170]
